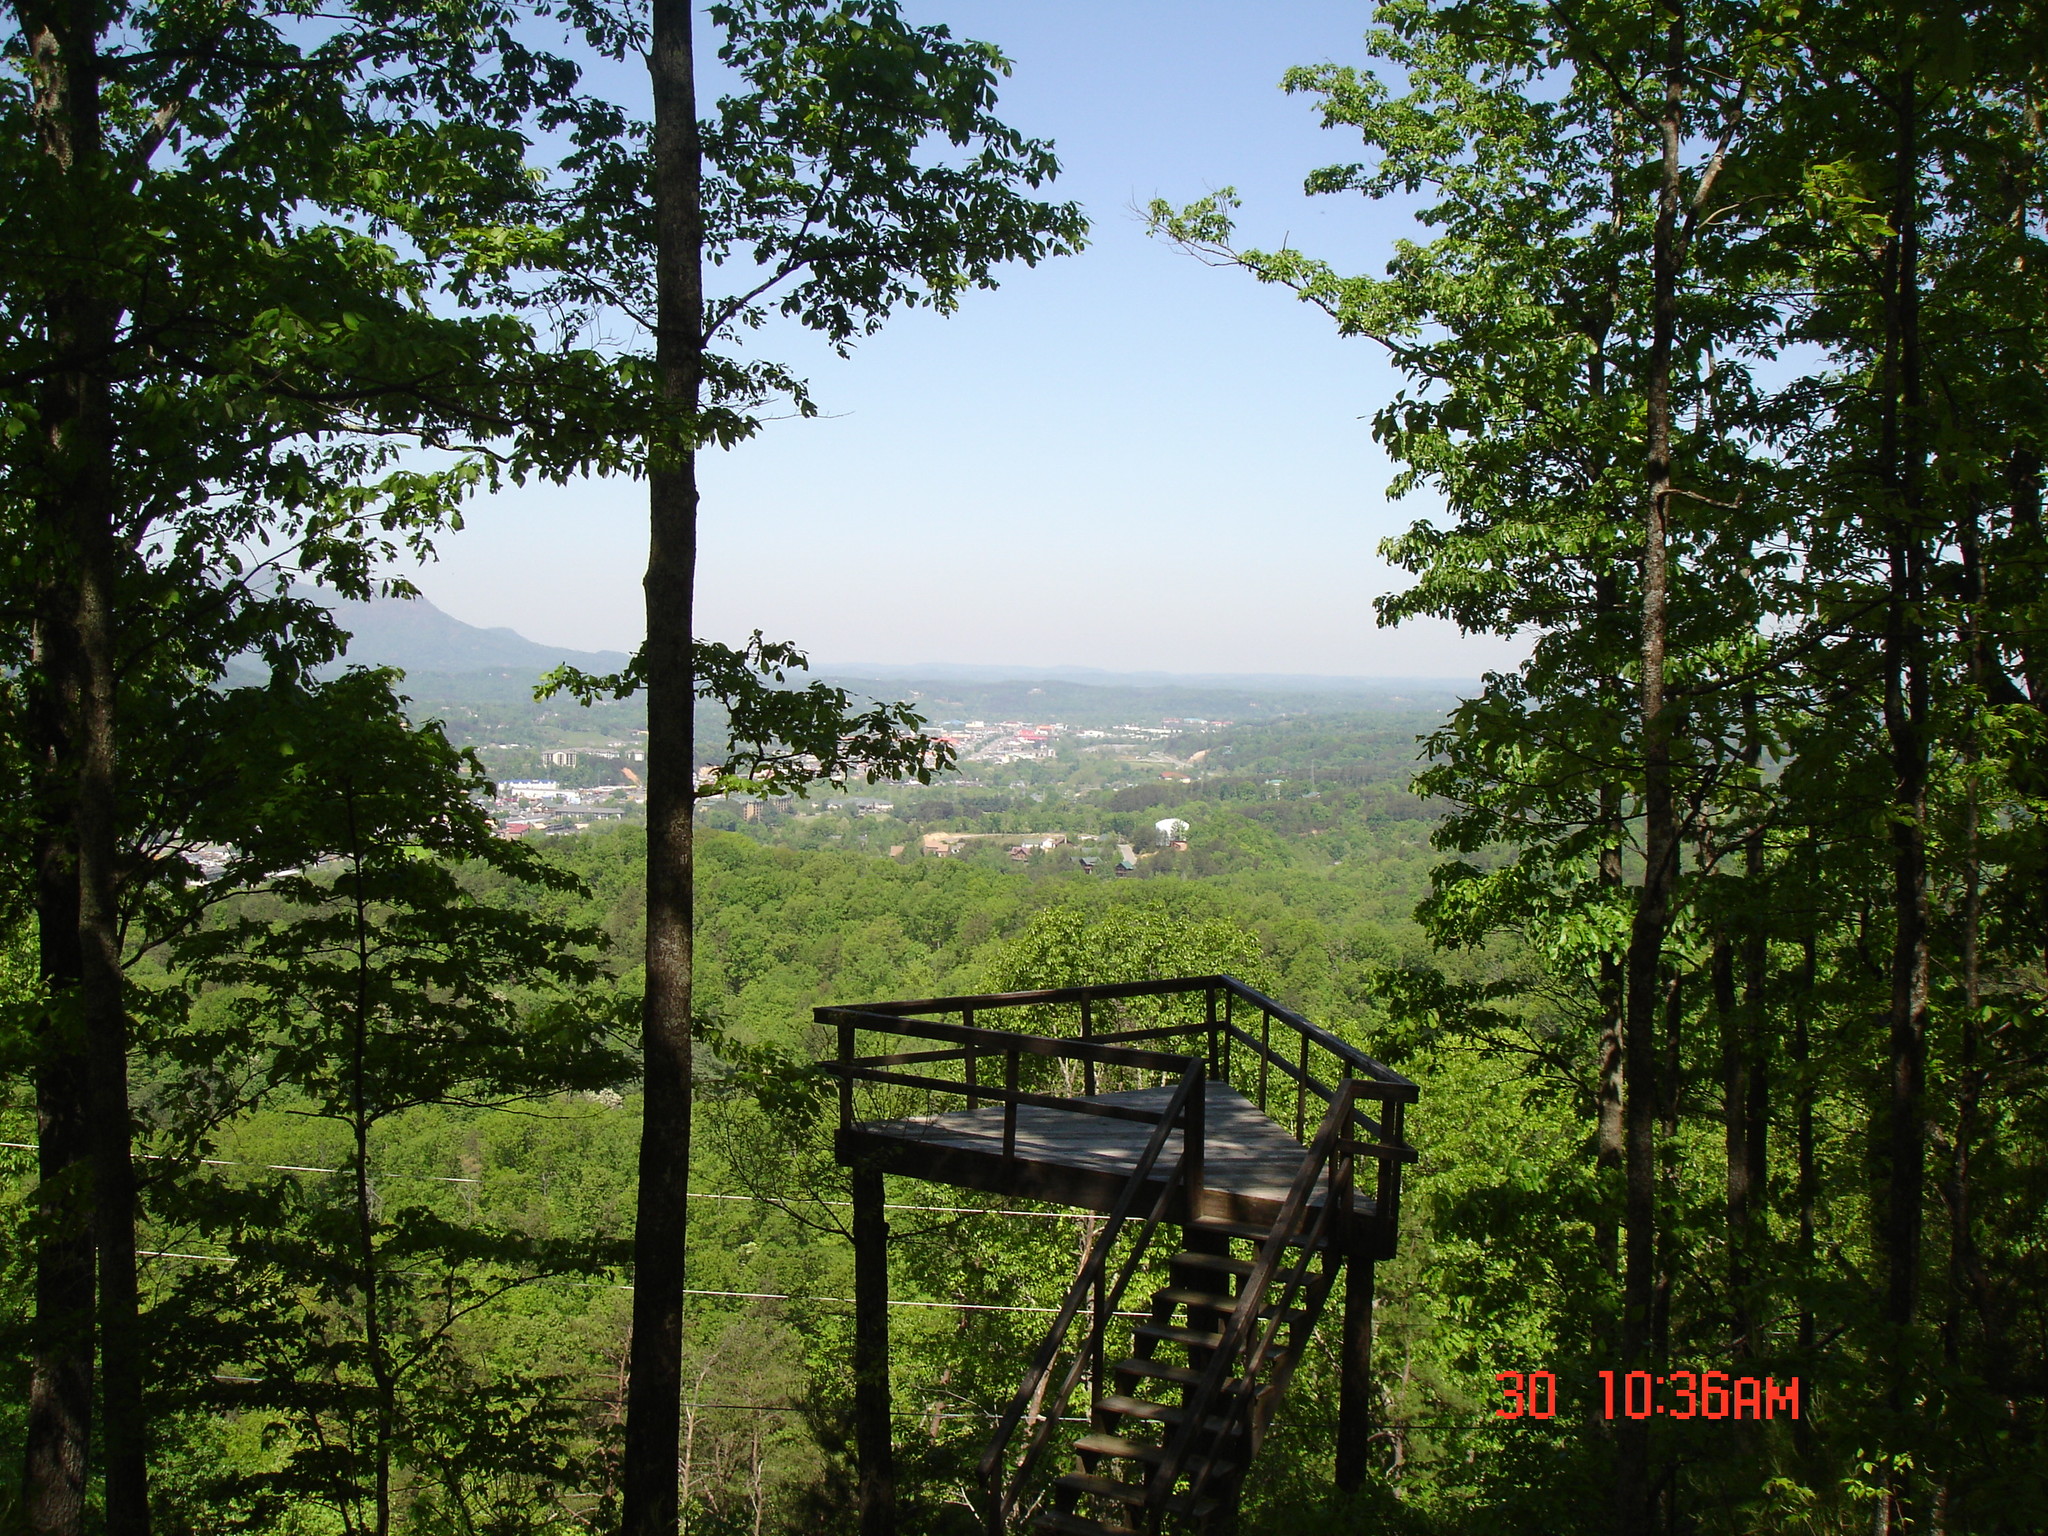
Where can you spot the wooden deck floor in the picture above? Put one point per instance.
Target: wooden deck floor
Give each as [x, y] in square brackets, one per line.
[1085, 1160]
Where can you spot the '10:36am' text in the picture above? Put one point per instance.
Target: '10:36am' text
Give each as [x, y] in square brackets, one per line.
[1639, 1395]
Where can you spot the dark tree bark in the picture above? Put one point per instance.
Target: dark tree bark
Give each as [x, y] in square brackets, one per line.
[58, 1438]
[1905, 720]
[1734, 1135]
[1900, 1132]
[1805, 1172]
[1610, 1152]
[1970, 1280]
[361, 1118]
[1644, 962]
[1610, 1140]
[1745, 1070]
[871, 1427]
[124, 1429]
[654, 1391]
[79, 515]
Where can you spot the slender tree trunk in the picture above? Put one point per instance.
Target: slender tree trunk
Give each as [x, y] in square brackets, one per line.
[1610, 1144]
[58, 1437]
[1610, 1140]
[1670, 1088]
[1969, 1281]
[1899, 1129]
[1610, 1153]
[1905, 718]
[1745, 1069]
[360, 1113]
[654, 1394]
[101, 988]
[80, 515]
[1644, 962]
[1805, 1172]
[1734, 1139]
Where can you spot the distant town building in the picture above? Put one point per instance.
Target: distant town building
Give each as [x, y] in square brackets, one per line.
[535, 789]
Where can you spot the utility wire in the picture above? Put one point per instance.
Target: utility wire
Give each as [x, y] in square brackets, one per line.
[614, 1285]
[944, 1210]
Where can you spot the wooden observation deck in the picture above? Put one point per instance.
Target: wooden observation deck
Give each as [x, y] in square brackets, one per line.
[1195, 1104]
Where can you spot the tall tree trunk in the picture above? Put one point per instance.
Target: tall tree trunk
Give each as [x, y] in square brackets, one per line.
[1735, 1135]
[1610, 1145]
[101, 988]
[1969, 1280]
[1901, 450]
[1745, 1069]
[1671, 1246]
[1644, 962]
[654, 1392]
[1805, 1171]
[1905, 719]
[80, 515]
[361, 1114]
[58, 1438]
[1610, 1141]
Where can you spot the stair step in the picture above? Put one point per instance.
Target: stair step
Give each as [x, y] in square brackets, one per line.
[1094, 1486]
[1099, 1444]
[1136, 1450]
[1159, 1413]
[1076, 1525]
[1159, 1370]
[1152, 1455]
[1209, 1301]
[1088, 1485]
[1138, 1408]
[1243, 1229]
[1168, 1334]
[1183, 1375]
[1221, 1263]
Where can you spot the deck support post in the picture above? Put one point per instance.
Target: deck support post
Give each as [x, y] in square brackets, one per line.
[1354, 1391]
[872, 1449]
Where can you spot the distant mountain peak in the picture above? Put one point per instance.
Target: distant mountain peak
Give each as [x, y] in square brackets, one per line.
[412, 634]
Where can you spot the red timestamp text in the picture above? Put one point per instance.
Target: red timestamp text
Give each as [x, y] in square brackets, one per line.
[1700, 1395]
[1640, 1395]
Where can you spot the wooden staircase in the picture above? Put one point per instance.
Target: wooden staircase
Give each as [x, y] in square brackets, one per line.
[1175, 1424]
[1139, 1416]
[1188, 1359]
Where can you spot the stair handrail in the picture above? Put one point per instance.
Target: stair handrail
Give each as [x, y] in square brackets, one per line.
[1245, 1316]
[1335, 1211]
[1002, 1494]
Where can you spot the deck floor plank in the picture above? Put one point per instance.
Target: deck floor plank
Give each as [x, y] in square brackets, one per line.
[1249, 1159]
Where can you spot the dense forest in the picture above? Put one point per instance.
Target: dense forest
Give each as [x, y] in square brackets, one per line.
[367, 1170]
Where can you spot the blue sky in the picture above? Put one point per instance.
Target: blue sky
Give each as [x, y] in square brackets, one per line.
[1122, 459]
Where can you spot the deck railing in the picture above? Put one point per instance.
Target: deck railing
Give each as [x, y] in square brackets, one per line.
[1078, 1044]
[1292, 1068]
[973, 1046]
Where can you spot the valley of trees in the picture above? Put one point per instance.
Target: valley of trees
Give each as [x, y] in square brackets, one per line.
[390, 1175]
